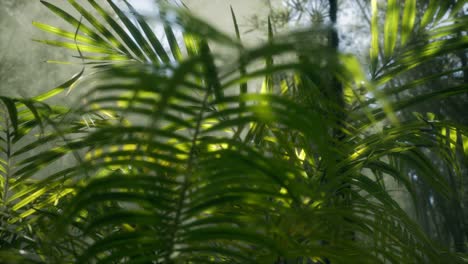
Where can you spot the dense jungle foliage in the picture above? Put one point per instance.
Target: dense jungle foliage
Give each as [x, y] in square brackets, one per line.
[287, 152]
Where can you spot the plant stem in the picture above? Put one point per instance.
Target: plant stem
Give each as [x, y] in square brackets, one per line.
[8, 162]
[186, 183]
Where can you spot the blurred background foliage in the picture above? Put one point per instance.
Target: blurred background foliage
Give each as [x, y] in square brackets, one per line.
[177, 143]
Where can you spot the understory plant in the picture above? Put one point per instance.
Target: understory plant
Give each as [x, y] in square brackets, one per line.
[281, 153]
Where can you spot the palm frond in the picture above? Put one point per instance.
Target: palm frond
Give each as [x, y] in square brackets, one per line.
[173, 177]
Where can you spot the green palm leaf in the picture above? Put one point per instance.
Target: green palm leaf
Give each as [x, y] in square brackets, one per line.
[170, 176]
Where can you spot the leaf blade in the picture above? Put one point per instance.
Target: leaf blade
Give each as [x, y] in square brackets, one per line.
[409, 17]
[391, 27]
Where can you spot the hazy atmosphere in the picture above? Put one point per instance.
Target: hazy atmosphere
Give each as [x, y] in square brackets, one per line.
[233, 131]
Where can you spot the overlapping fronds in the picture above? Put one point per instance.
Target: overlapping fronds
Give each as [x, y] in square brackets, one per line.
[192, 165]
[25, 128]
